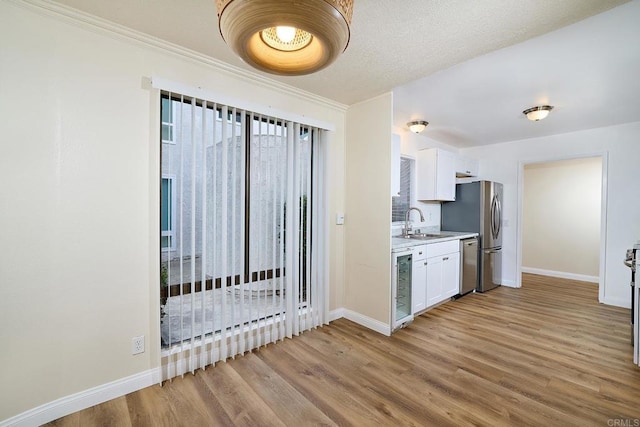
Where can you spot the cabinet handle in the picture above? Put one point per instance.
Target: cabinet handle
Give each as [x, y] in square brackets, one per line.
[445, 258]
[425, 263]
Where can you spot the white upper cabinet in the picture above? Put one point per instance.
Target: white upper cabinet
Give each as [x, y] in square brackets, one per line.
[436, 175]
[395, 165]
[466, 167]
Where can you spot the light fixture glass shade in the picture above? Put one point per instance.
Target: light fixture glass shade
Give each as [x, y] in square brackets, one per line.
[318, 32]
[417, 126]
[537, 113]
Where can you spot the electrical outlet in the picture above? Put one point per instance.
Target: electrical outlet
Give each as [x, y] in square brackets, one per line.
[137, 345]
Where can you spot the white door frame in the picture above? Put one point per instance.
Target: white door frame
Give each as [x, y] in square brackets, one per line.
[604, 156]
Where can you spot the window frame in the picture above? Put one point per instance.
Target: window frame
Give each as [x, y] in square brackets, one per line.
[171, 233]
[413, 189]
[171, 124]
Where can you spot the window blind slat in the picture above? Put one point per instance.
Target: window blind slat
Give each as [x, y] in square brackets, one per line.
[192, 261]
[314, 229]
[251, 261]
[243, 151]
[181, 355]
[296, 229]
[232, 288]
[283, 191]
[203, 226]
[214, 353]
[306, 252]
[224, 231]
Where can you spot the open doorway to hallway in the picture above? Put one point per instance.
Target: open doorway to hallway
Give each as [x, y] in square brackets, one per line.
[562, 217]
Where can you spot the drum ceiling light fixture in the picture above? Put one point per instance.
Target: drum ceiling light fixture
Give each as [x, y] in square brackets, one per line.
[286, 37]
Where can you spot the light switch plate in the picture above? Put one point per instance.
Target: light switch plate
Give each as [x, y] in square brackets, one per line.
[339, 218]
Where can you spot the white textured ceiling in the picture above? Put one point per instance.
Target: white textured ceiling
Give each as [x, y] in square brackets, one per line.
[589, 72]
[395, 42]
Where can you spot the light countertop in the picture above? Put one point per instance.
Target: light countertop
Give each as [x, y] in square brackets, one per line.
[398, 243]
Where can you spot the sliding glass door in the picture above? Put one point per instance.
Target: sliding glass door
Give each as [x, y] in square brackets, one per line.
[240, 231]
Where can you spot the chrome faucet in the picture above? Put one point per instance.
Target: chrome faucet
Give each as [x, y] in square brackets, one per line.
[407, 226]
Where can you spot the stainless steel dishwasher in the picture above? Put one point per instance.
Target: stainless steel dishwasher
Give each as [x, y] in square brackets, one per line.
[468, 265]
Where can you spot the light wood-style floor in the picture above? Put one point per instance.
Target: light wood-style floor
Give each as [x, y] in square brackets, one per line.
[545, 355]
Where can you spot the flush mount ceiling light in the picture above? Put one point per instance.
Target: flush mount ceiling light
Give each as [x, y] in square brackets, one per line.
[417, 126]
[286, 37]
[537, 113]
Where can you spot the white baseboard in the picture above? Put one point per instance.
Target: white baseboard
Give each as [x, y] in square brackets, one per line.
[367, 322]
[562, 275]
[618, 302]
[83, 400]
[336, 314]
[508, 283]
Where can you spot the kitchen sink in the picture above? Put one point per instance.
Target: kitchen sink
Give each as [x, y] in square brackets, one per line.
[427, 236]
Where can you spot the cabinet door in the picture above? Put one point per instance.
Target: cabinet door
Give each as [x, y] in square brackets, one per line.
[466, 167]
[472, 167]
[434, 280]
[450, 274]
[436, 175]
[446, 176]
[395, 165]
[419, 286]
[401, 289]
[426, 174]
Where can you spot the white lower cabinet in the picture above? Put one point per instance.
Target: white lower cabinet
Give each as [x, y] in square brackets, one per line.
[419, 279]
[443, 271]
[451, 274]
[435, 274]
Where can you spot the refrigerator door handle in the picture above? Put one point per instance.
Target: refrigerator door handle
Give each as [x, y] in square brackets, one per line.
[493, 210]
[491, 251]
[499, 219]
[492, 221]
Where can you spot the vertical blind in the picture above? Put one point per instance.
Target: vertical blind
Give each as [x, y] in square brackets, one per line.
[242, 231]
[402, 202]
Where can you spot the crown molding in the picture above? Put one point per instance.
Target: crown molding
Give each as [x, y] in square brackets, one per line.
[103, 26]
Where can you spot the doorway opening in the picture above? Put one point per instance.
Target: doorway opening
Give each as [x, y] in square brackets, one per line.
[562, 217]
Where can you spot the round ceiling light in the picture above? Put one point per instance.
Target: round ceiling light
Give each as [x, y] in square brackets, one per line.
[417, 126]
[538, 113]
[286, 37]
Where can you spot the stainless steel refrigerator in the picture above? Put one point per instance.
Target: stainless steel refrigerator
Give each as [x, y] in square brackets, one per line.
[478, 209]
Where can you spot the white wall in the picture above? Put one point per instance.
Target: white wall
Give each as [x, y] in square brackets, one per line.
[80, 173]
[368, 202]
[503, 162]
[561, 218]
